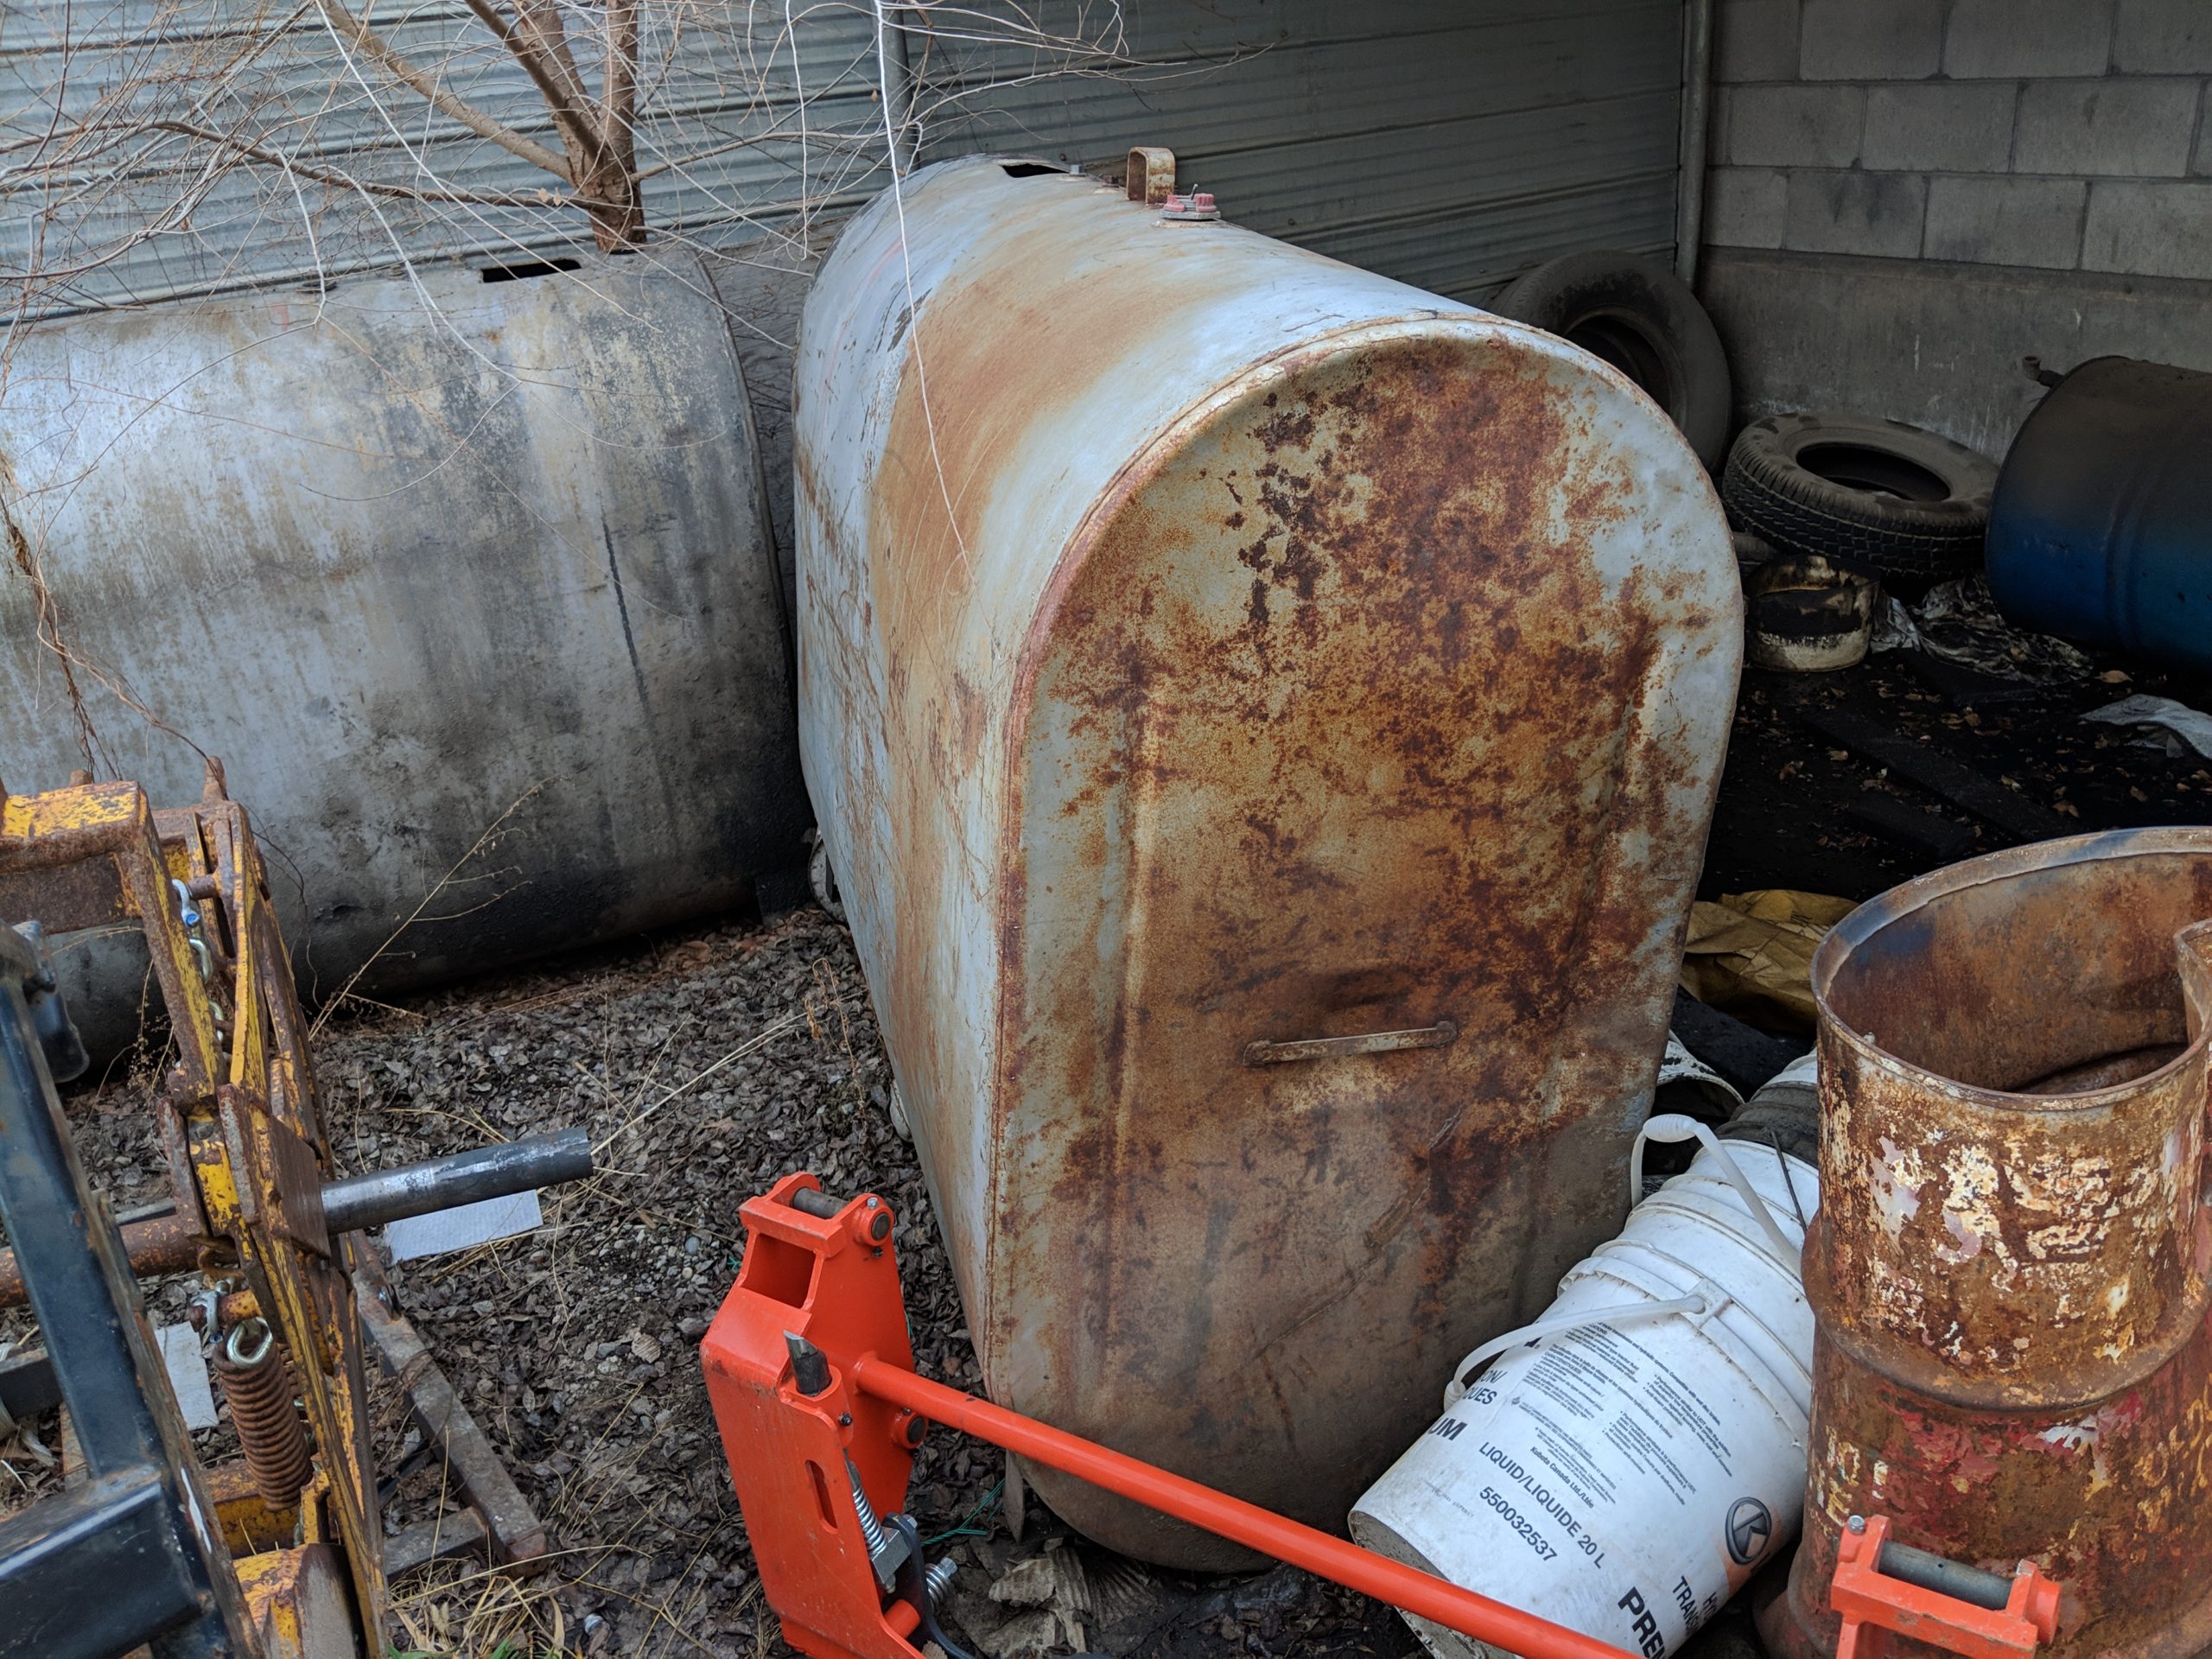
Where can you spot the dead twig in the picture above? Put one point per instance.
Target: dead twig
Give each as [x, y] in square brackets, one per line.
[488, 839]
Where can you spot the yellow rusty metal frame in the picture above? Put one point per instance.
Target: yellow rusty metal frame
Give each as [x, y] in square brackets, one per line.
[239, 1118]
[280, 1586]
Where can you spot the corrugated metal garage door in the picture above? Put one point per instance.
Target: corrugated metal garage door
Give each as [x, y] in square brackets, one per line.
[1451, 144]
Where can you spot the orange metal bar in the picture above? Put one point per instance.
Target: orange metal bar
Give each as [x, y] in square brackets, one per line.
[1228, 1517]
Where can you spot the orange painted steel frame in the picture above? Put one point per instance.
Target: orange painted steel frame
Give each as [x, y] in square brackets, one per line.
[833, 1281]
[1866, 1595]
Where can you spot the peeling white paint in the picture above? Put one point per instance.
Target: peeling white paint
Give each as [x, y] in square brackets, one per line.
[1896, 1180]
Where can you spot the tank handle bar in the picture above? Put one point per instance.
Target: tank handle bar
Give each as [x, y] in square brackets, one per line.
[1348, 1564]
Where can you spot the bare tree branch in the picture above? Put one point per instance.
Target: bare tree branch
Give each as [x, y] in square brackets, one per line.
[358, 31]
[178, 156]
[559, 101]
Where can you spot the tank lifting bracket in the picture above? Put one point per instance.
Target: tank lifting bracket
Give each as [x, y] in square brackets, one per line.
[811, 1375]
[1881, 1586]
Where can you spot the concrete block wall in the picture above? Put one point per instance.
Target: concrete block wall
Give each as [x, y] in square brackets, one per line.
[2060, 134]
[2064, 145]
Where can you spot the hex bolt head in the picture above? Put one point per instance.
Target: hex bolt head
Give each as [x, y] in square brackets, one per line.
[1857, 1523]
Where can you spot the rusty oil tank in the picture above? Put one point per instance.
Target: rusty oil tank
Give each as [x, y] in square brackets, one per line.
[1265, 720]
[2008, 1269]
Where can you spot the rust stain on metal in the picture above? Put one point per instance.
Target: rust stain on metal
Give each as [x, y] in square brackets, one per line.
[157, 1245]
[1178, 676]
[2009, 1266]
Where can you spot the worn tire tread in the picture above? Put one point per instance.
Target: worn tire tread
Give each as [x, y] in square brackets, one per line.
[1771, 495]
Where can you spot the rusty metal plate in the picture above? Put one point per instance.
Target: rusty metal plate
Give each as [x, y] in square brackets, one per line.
[1204, 645]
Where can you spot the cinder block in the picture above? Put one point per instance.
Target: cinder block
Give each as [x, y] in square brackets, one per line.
[2158, 229]
[1877, 214]
[1940, 127]
[2162, 37]
[1755, 40]
[1996, 38]
[1745, 207]
[1795, 126]
[1871, 39]
[2137, 128]
[2006, 222]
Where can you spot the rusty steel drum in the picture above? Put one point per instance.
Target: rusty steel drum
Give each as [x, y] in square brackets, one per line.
[2009, 1266]
[1265, 721]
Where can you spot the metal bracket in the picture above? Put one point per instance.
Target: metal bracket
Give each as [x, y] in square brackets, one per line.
[914, 1589]
[1881, 1586]
[1151, 176]
[517, 1535]
[810, 1371]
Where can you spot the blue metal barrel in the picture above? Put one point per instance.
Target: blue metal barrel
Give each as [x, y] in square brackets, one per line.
[2101, 529]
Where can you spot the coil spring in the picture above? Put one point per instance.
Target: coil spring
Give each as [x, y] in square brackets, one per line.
[258, 1383]
[939, 1579]
[871, 1529]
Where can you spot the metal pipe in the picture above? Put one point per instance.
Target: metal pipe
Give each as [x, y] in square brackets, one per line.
[162, 1244]
[169, 1244]
[815, 1203]
[1917, 1567]
[1697, 120]
[1333, 1559]
[493, 1171]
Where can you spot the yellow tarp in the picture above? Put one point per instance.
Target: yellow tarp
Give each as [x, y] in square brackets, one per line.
[1752, 953]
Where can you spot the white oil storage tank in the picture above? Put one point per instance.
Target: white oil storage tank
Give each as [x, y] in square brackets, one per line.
[1264, 720]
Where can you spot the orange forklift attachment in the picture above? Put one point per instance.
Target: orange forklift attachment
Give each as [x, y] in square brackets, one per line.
[1959, 1609]
[811, 1376]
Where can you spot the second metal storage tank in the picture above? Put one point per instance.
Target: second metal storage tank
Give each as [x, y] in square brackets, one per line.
[1265, 721]
[432, 563]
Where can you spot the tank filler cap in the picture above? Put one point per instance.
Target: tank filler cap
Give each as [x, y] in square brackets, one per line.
[1195, 209]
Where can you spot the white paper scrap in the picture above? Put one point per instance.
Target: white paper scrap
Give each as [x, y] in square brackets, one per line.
[181, 1358]
[445, 1230]
[2191, 726]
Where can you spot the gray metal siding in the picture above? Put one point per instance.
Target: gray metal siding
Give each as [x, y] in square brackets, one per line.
[1452, 143]
[1449, 143]
[776, 128]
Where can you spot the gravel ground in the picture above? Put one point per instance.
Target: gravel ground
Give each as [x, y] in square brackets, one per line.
[707, 1064]
[705, 1068]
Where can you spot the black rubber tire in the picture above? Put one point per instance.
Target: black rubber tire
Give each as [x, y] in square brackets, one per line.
[1642, 319]
[1909, 504]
